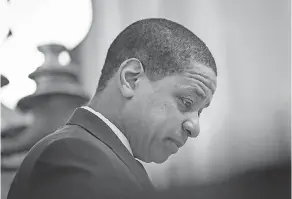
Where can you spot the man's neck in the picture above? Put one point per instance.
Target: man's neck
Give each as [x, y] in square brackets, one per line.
[113, 127]
[108, 109]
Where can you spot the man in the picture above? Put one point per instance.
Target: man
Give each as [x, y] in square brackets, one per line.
[157, 78]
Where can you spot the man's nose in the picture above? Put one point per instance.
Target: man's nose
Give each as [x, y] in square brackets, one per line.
[192, 127]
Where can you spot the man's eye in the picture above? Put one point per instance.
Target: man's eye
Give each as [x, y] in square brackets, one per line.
[187, 103]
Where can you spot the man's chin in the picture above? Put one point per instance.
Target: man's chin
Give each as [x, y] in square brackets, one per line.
[160, 160]
[156, 158]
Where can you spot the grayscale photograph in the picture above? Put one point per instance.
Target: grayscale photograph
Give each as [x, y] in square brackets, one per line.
[156, 99]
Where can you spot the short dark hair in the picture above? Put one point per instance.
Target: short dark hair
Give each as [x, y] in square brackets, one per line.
[163, 47]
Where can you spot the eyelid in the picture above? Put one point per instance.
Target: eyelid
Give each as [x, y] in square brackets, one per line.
[189, 100]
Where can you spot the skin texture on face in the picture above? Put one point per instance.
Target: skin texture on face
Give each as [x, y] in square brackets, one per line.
[161, 115]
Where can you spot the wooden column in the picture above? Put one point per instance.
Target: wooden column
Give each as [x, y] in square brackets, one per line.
[58, 93]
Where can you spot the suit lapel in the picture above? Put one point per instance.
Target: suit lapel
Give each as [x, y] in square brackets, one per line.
[103, 132]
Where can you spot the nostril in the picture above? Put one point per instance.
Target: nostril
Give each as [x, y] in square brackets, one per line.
[189, 132]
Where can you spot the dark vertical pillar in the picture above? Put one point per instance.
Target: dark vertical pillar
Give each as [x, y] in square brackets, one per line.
[58, 93]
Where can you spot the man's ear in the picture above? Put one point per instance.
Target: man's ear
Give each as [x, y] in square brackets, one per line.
[129, 74]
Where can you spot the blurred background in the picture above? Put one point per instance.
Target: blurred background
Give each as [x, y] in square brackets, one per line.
[52, 53]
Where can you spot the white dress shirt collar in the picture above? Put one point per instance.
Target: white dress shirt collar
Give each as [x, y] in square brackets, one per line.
[118, 133]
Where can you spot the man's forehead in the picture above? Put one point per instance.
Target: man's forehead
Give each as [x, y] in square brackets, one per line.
[197, 75]
[203, 70]
[201, 74]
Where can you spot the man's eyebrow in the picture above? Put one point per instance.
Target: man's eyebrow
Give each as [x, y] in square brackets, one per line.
[199, 91]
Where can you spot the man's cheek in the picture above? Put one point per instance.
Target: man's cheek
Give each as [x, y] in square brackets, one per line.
[157, 113]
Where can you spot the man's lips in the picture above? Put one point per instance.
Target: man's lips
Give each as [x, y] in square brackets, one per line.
[177, 143]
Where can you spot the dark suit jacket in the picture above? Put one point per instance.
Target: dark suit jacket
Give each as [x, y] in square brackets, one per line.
[84, 159]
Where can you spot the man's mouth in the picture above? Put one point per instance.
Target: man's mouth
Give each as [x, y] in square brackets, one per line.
[172, 146]
[177, 143]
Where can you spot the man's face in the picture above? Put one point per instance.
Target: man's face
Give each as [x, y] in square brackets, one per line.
[163, 114]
